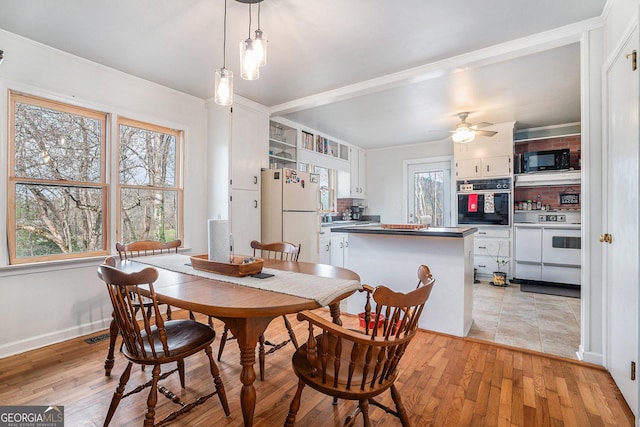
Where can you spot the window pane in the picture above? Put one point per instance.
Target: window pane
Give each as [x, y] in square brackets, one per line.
[56, 145]
[147, 157]
[57, 219]
[148, 215]
[429, 196]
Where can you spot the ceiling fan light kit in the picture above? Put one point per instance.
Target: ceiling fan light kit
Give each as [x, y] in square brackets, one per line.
[465, 133]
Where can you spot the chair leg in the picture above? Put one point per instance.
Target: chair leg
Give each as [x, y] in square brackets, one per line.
[117, 395]
[223, 341]
[364, 408]
[168, 312]
[113, 336]
[215, 373]
[295, 406]
[181, 372]
[402, 412]
[149, 417]
[287, 324]
[261, 354]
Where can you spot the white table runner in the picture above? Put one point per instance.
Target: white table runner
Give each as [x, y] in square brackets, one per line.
[321, 289]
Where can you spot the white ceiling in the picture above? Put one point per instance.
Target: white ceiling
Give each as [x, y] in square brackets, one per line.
[371, 72]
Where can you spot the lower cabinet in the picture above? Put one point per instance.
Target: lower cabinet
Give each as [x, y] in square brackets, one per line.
[245, 219]
[339, 249]
[325, 248]
[490, 245]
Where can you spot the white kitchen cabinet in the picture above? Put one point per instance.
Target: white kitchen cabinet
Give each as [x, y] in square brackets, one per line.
[497, 166]
[244, 206]
[339, 249]
[491, 244]
[325, 248]
[283, 146]
[358, 165]
[469, 168]
[486, 157]
[237, 152]
[249, 130]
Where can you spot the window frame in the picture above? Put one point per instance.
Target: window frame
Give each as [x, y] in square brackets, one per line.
[13, 180]
[178, 182]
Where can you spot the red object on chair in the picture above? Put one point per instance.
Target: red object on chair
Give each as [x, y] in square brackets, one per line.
[473, 203]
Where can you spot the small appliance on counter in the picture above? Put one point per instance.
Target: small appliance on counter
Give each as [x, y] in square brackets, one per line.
[356, 213]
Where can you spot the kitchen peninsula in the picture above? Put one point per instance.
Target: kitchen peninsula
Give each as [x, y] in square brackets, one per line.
[388, 256]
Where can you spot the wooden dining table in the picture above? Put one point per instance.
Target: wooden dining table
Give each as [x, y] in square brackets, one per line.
[246, 311]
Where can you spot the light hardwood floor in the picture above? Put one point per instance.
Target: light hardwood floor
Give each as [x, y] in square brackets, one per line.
[445, 381]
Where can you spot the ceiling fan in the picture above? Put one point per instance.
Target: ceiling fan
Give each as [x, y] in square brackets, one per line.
[466, 132]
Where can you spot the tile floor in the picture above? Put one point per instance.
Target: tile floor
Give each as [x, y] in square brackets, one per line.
[546, 323]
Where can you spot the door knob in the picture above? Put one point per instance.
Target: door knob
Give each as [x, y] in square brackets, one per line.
[606, 238]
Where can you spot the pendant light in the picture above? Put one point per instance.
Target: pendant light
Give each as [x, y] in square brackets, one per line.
[260, 42]
[224, 76]
[249, 68]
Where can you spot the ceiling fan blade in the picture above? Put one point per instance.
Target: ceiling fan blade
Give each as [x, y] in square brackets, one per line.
[481, 125]
[486, 132]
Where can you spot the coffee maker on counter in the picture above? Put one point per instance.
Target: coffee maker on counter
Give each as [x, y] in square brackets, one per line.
[356, 213]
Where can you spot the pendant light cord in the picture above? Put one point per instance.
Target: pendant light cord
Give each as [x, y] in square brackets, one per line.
[259, 15]
[224, 38]
[249, 20]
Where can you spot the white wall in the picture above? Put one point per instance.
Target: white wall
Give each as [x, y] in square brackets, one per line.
[56, 301]
[385, 177]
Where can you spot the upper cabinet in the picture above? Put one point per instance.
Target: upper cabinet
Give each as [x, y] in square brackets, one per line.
[248, 131]
[358, 162]
[486, 156]
[283, 146]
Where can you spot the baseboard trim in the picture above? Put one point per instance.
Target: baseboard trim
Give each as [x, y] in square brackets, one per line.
[32, 343]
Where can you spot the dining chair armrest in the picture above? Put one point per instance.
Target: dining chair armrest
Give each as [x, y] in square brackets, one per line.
[337, 330]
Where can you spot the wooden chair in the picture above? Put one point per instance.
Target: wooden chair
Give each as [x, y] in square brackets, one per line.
[128, 251]
[352, 365]
[278, 250]
[155, 342]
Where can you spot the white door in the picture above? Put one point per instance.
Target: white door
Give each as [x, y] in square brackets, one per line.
[621, 255]
[429, 192]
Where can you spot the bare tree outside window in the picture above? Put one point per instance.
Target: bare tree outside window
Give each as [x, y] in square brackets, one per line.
[429, 196]
[150, 197]
[56, 178]
[429, 192]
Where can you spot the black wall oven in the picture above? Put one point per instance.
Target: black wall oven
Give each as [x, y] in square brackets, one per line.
[484, 202]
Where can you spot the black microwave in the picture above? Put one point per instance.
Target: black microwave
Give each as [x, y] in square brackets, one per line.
[551, 160]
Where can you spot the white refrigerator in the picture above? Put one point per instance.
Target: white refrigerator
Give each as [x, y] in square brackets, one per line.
[290, 210]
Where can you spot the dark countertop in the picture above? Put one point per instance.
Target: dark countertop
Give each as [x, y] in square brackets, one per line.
[429, 232]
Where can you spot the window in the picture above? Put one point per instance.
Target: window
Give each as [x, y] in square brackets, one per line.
[150, 197]
[325, 182]
[430, 192]
[57, 187]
